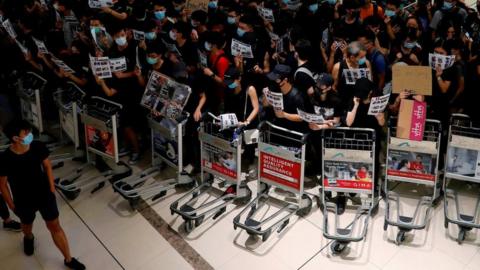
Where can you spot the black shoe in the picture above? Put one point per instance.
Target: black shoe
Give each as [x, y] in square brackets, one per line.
[74, 264]
[28, 246]
[12, 226]
[341, 202]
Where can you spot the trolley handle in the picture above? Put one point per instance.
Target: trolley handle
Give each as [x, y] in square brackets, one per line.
[269, 124]
[37, 76]
[118, 105]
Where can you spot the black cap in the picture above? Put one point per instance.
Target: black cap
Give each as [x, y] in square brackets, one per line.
[363, 87]
[279, 72]
[231, 75]
[324, 79]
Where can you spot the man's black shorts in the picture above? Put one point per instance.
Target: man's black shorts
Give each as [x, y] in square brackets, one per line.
[47, 206]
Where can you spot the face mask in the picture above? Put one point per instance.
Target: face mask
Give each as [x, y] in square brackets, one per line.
[286, 2]
[121, 41]
[151, 60]
[194, 24]
[231, 20]
[390, 13]
[362, 60]
[233, 85]
[27, 140]
[447, 6]
[313, 7]
[179, 8]
[212, 4]
[95, 29]
[240, 32]
[207, 46]
[409, 45]
[332, 2]
[160, 15]
[150, 35]
[172, 35]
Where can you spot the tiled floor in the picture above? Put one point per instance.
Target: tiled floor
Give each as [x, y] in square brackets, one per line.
[105, 234]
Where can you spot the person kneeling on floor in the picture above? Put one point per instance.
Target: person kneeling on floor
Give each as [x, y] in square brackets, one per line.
[26, 172]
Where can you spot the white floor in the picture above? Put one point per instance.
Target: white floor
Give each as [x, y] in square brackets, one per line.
[136, 244]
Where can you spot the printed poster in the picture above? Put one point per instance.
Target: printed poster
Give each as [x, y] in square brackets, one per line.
[348, 169]
[378, 104]
[411, 165]
[311, 118]
[40, 46]
[277, 168]
[118, 64]
[101, 67]
[138, 35]
[220, 160]
[101, 141]
[100, 3]
[353, 74]
[266, 14]
[463, 158]
[9, 28]
[274, 99]
[241, 49]
[442, 61]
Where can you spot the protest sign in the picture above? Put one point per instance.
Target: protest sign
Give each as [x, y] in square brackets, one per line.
[274, 99]
[101, 67]
[197, 5]
[9, 28]
[417, 79]
[40, 46]
[443, 61]
[311, 118]
[100, 3]
[378, 104]
[138, 35]
[241, 49]
[411, 120]
[62, 65]
[118, 64]
[266, 13]
[203, 58]
[353, 74]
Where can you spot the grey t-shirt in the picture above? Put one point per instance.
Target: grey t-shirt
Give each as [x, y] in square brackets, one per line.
[438, 16]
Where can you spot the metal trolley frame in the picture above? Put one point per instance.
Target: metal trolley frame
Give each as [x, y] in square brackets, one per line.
[29, 91]
[429, 147]
[135, 187]
[343, 148]
[100, 117]
[213, 143]
[281, 166]
[464, 135]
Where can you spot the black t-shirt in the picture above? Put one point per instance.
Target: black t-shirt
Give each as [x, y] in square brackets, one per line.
[363, 120]
[25, 174]
[291, 101]
[330, 107]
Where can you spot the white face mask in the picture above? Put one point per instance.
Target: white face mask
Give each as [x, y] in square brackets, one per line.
[121, 41]
[172, 35]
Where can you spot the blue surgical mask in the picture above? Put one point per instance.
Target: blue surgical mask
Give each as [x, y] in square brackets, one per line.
[231, 20]
[409, 45]
[95, 29]
[447, 6]
[212, 4]
[240, 32]
[390, 13]
[27, 140]
[179, 8]
[233, 85]
[150, 35]
[160, 15]
[313, 8]
[332, 2]
[151, 60]
[207, 46]
[286, 2]
[362, 60]
[121, 41]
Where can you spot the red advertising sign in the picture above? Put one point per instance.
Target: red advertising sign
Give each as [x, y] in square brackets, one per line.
[411, 175]
[279, 170]
[100, 140]
[350, 184]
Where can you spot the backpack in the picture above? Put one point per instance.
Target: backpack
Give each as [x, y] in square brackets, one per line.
[315, 76]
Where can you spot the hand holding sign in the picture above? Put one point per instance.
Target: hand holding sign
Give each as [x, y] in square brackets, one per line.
[274, 99]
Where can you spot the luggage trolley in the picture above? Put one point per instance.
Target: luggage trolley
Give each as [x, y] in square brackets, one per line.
[414, 162]
[29, 88]
[462, 166]
[100, 119]
[167, 148]
[281, 162]
[69, 102]
[220, 159]
[348, 165]
[4, 142]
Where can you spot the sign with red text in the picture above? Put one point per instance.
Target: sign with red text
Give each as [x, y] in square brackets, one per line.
[411, 120]
[279, 167]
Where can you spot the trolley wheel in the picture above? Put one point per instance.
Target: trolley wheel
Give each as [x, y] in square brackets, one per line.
[337, 247]
[445, 223]
[71, 194]
[306, 210]
[134, 203]
[188, 226]
[400, 237]
[385, 225]
[461, 236]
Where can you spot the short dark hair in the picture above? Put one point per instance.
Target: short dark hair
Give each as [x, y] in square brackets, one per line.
[199, 16]
[183, 28]
[216, 39]
[303, 47]
[395, 3]
[16, 126]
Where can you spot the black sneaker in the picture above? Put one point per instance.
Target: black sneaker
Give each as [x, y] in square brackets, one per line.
[28, 246]
[341, 202]
[74, 264]
[12, 226]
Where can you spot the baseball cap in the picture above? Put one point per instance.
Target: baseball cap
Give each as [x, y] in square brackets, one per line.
[279, 72]
[231, 74]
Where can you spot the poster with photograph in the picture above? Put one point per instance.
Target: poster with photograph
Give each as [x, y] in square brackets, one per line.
[463, 162]
[102, 39]
[40, 46]
[219, 158]
[266, 14]
[164, 147]
[378, 104]
[101, 141]
[274, 99]
[118, 64]
[138, 35]
[197, 5]
[225, 121]
[166, 96]
[442, 61]
[9, 28]
[101, 67]
[311, 118]
[241, 49]
[348, 175]
[100, 3]
[353, 74]
[411, 165]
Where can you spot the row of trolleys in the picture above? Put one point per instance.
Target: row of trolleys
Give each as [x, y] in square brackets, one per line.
[348, 165]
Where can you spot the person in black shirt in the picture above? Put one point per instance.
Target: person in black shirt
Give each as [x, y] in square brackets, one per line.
[26, 172]
[8, 223]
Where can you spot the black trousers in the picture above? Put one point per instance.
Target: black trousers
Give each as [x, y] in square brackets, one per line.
[4, 214]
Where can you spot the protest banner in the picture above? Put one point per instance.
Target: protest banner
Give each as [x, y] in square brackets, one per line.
[378, 104]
